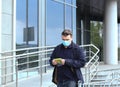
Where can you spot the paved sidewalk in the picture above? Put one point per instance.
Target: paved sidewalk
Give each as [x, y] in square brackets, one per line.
[35, 82]
[103, 66]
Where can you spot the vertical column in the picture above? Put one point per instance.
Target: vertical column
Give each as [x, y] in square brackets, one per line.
[7, 34]
[42, 35]
[111, 33]
[0, 36]
[14, 38]
[0, 21]
[42, 22]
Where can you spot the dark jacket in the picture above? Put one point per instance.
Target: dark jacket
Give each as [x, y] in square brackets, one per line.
[75, 63]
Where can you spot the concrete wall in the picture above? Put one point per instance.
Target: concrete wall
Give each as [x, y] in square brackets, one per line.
[7, 35]
[7, 25]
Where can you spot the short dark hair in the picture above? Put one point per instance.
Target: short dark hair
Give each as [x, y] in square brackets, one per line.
[67, 32]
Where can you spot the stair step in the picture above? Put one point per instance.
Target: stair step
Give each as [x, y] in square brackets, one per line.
[97, 80]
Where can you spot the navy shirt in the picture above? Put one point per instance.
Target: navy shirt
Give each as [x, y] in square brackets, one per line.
[74, 58]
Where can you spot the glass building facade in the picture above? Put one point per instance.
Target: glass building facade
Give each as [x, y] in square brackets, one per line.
[59, 15]
[37, 23]
[40, 22]
[26, 22]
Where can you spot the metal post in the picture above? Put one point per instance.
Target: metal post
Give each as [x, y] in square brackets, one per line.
[64, 14]
[38, 23]
[27, 33]
[45, 36]
[27, 63]
[80, 83]
[27, 23]
[87, 77]
[16, 63]
[40, 59]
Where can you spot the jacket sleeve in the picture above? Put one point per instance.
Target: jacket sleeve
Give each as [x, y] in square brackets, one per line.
[52, 56]
[78, 61]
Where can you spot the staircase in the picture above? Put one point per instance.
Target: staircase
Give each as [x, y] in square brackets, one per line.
[106, 76]
[107, 73]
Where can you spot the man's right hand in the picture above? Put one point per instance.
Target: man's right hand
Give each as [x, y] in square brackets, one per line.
[54, 62]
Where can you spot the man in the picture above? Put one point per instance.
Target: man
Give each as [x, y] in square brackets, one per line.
[67, 58]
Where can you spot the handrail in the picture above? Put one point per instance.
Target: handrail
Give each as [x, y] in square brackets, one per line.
[108, 74]
[25, 54]
[93, 61]
[93, 56]
[42, 54]
[118, 79]
[101, 83]
[30, 48]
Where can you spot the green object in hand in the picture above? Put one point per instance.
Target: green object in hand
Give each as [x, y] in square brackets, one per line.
[58, 60]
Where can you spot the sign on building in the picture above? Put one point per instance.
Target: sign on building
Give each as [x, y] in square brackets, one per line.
[28, 34]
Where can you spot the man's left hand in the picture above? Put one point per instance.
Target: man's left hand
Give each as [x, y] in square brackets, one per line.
[63, 61]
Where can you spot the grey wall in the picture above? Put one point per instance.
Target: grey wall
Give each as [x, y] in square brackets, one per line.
[7, 25]
[7, 38]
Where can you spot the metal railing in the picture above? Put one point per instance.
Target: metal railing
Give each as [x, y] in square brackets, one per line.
[91, 67]
[27, 63]
[112, 83]
[24, 63]
[107, 75]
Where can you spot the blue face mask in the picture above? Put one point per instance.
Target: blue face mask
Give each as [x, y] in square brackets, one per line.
[66, 43]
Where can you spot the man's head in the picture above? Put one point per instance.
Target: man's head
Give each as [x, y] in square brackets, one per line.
[67, 37]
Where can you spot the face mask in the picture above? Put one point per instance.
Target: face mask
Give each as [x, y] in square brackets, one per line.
[66, 43]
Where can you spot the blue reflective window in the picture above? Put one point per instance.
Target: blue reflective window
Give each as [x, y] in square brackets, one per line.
[68, 17]
[32, 19]
[20, 20]
[74, 2]
[59, 16]
[74, 20]
[55, 22]
[26, 16]
[68, 1]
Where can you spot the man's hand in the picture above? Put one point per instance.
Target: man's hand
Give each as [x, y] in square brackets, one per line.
[63, 61]
[54, 62]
